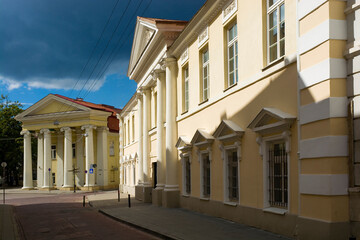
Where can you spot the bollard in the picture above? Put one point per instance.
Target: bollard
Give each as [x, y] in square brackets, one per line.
[118, 195]
[129, 203]
[84, 201]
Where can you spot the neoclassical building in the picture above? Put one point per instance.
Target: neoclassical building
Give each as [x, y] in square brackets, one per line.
[78, 144]
[249, 112]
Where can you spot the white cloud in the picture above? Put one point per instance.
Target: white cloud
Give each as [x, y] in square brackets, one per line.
[10, 84]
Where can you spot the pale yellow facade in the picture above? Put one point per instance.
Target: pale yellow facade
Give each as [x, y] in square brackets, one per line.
[262, 100]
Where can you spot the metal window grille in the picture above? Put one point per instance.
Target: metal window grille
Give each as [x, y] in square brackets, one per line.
[278, 176]
[53, 151]
[187, 176]
[233, 189]
[206, 175]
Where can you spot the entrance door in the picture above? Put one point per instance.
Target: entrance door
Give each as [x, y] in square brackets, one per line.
[154, 177]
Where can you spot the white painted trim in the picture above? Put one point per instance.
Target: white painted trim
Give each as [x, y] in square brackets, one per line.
[236, 146]
[353, 86]
[200, 159]
[324, 184]
[306, 7]
[206, 32]
[279, 211]
[328, 108]
[231, 13]
[328, 146]
[184, 56]
[329, 29]
[327, 69]
[356, 106]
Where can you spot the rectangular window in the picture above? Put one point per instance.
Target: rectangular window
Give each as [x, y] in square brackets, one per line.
[278, 177]
[133, 128]
[187, 176]
[205, 75]
[73, 150]
[53, 178]
[186, 89]
[232, 174]
[128, 131]
[206, 175]
[112, 149]
[232, 47]
[125, 134]
[275, 29]
[53, 151]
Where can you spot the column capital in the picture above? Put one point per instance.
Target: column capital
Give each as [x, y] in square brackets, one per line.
[99, 129]
[169, 62]
[88, 127]
[26, 133]
[45, 131]
[65, 129]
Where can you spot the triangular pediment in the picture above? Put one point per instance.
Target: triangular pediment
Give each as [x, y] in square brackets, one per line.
[271, 120]
[51, 105]
[201, 137]
[183, 144]
[228, 130]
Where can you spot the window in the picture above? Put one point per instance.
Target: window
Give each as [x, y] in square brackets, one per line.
[134, 181]
[111, 149]
[125, 175]
[53, 151]
[205, 175]
[128, 131]
[186, 89]
[73, 150]
[232, 47]
[275, 29]
[187, 176]
[278, 177]
[133, 128]
[205, 75]
[53, 178]
[232, 175]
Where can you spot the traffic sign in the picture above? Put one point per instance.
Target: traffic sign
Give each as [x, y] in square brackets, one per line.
[91, 170]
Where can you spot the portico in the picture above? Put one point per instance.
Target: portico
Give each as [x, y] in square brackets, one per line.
[76, 141]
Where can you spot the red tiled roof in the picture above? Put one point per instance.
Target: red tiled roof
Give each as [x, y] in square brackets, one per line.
[101, 107]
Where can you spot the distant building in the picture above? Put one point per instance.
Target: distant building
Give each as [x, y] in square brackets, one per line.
[71, 134]
[249, 112]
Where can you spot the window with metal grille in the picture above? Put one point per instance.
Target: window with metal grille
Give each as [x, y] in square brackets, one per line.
[278, 175]
[73, 150]
[53, 151]
[206, 175]
[232, 172]
[187, 176]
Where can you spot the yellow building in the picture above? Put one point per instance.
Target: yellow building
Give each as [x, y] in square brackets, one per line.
[77, 144]
[249, 112]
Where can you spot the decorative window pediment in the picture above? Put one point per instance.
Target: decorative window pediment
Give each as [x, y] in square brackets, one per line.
[228, 131]
[270, 120]
[202, 138]
[183, 144]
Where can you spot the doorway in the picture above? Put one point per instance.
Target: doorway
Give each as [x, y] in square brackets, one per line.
[154, 175]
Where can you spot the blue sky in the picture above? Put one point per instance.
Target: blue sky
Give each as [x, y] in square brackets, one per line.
[46, 44]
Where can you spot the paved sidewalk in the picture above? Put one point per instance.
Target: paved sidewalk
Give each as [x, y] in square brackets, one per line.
[8, 225]
[171, 223]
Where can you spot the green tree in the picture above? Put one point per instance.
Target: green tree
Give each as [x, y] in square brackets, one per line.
[11, 143]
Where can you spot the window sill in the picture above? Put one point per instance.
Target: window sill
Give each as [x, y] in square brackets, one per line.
[184, 112]
[205, 199]
[203, 102]
[186, 195]
[233, 204]
[230, 87]
[274, 210]
[273, 63]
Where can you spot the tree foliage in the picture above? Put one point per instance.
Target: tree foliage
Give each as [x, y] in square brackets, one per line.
[11, 143]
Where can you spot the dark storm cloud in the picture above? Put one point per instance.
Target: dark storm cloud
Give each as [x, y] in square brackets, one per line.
[50, 41]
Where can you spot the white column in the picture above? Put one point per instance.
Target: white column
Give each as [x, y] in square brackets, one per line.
[140, 175]
[102, 160]
[59, 160]
[27, 176]
[89, 151]
[121, 150]
[40, 161]
[146, 121]
[80, 157]
[47, 158]
[160, 130]
[68, 165]
[171, 151]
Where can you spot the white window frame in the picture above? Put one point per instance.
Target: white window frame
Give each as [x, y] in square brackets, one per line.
[230, 43]
[53, 151]
[186, 88]
[133, 127]
[270, 9]
[201, 155]
[205, 65]
[185, 157]
[264, 143]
